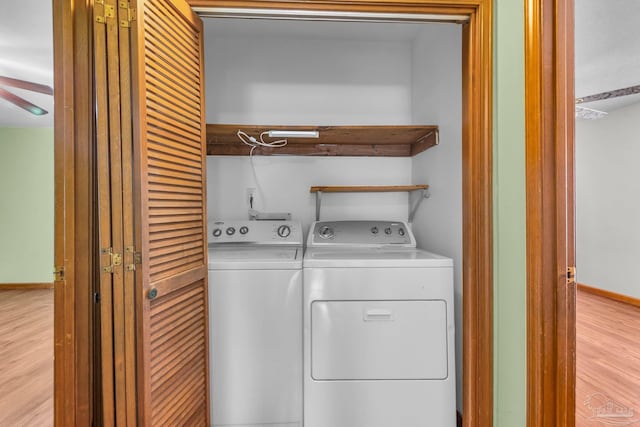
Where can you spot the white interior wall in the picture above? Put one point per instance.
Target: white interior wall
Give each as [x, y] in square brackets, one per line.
[437, 99]
[257, 79]
[284, 181]
[607, 202]
[297, 80]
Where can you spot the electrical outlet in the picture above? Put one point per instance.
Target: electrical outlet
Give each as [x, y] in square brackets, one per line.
[251, 197]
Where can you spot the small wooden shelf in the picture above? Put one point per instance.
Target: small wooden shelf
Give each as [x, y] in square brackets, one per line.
[385, 141]
[369, 188]
[414, 202]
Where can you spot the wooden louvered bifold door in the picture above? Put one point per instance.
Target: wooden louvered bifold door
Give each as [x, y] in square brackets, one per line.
[117, 403]
[169, 215]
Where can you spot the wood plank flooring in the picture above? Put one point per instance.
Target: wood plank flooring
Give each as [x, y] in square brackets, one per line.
[26, 358]
[608, 362]
[608, 359]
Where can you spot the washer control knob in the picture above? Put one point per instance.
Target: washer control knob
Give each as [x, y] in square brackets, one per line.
[217, 232]
[230, 231]
[401, 231]
[387, 230]
[374, 230]
[284, 231]
[244, 229]
[326, 232]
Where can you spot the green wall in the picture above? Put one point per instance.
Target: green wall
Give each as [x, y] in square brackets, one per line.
[509, 217]
[26, 205]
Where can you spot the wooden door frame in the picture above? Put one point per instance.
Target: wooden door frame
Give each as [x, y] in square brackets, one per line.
[550, 119]
[75, 165]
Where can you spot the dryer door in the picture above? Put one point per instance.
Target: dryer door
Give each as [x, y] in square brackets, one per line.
[379, 340]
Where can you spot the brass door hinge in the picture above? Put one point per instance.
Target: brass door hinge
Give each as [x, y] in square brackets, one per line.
[109, 12]
[127, 14]
[114, 257]
[571, 275]
[58, 274]
[137, 258]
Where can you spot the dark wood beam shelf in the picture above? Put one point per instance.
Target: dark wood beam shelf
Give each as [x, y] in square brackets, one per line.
[368, 141]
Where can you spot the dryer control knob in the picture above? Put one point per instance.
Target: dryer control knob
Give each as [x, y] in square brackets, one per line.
[326, 232]
[244, 229]
[374, 230]
[401, 231]
[217, 232]
[387, 230]
[284, 231]
[230, 231]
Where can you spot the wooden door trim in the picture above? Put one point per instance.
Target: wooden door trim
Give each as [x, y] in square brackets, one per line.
[549, 106]
[24, 286]
[74, 212]
[104, 196]
[604, 293]
[477, 176]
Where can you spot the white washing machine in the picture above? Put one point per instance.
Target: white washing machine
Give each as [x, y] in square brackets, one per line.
[378, 328]
[255, 312]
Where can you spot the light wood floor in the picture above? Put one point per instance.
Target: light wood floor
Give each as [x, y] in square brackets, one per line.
[26, 358]
[608, 361]
[608, 358]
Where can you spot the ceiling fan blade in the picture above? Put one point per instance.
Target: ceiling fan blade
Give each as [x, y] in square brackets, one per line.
[632, 90]
[23, 84]
[22, 103]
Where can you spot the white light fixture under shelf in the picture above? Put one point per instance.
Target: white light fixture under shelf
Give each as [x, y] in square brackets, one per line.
[293, 134]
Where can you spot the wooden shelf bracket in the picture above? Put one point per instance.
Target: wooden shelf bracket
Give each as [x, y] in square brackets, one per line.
[417, 193]
[318, 204]
[415, 199]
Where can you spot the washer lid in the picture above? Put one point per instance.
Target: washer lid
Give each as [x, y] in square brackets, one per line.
[255, 258]
[374, 257]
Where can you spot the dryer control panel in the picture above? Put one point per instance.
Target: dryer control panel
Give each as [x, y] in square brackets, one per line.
[357, 233]
[255, 232]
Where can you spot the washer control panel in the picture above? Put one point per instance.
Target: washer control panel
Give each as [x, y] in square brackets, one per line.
[256, 232]
[361, 233]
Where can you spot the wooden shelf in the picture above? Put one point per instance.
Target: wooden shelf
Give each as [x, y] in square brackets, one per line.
[386, 141]
[368, 188]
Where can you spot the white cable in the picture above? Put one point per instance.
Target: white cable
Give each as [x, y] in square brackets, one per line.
[253, 169]
[254, 143]
[278, 143]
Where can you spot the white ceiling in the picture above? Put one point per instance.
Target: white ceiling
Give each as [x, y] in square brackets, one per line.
[607, 43]
[26, 53]
[607, 48]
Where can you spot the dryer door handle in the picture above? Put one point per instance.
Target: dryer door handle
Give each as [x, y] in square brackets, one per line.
[378, 315]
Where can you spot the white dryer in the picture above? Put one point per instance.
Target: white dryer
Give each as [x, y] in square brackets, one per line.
[378, 328]
[255, 330]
